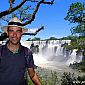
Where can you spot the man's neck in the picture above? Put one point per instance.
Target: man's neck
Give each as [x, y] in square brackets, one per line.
[13, 47]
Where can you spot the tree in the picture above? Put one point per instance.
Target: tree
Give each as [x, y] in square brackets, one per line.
[36, 39]
[76, 14]
[11, 2]
[25, 11]
[52, 38]
[23, 3]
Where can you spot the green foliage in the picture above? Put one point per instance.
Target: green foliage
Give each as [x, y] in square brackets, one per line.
[67, 79]
[47, 76]
[71, 79]
[52, 38]
[76, 43]
[76, 14]
[75, 11]
[51, 78]
[22, 13]
[70, 37]
[80, 29]
[73, 43]
[36, 38]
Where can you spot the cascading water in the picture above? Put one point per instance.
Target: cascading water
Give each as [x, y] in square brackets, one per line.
[74, 58]
[52, 55]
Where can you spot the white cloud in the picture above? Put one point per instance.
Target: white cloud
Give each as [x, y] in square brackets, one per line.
[32, 30]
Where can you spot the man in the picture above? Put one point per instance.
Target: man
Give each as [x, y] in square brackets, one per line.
[13, 62]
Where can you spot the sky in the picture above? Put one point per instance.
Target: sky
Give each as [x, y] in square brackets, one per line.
[52, 18]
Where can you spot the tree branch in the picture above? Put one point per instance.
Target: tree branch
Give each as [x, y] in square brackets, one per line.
[6, 12]
[35, 11]
[49, 2]
[41, 28]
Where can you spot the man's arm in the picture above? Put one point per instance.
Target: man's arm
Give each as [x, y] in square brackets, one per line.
[34, 77]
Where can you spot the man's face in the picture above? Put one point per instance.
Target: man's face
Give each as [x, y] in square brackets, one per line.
[14, 34]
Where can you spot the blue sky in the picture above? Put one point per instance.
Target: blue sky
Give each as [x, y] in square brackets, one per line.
[52, 18]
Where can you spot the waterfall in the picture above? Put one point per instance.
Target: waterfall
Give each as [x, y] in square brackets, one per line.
[52, 52]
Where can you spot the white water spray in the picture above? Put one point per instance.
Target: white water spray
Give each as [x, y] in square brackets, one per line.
[51, 55]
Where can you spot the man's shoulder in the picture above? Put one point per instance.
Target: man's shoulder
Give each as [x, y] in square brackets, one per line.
[24, 47]
[26, 50]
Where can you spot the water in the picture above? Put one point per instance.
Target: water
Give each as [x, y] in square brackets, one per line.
[52, 56]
